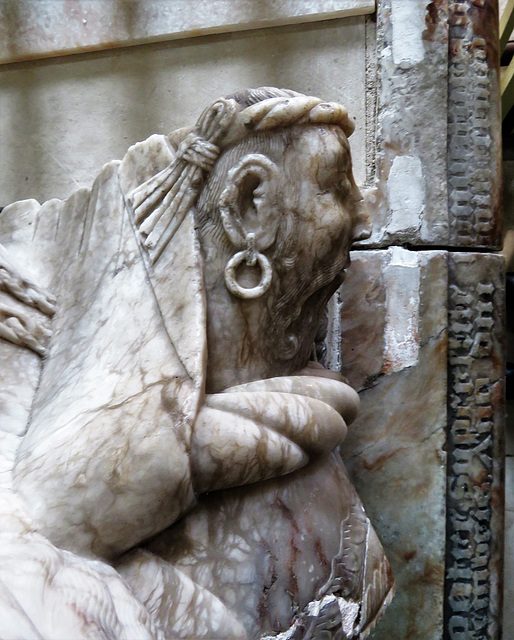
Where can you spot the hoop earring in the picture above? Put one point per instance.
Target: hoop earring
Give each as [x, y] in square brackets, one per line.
[252, 257]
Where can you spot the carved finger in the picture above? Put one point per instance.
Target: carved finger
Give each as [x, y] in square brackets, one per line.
[338, 395]
[13, 331]
[19, 286]
[228, 450]
[19, 328]
[312, 424]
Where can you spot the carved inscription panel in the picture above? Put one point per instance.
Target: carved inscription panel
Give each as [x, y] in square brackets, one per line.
[475, 412]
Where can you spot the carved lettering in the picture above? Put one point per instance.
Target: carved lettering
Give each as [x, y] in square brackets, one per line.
[473, 318]
[472, 199]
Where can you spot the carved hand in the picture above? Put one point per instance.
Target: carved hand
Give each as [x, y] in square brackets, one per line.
[268, 428]
[24, 329]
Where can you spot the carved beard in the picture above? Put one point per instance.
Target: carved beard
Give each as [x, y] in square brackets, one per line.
[303, 287]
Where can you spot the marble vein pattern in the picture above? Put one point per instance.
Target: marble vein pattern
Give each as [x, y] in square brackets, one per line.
[169, 463]
[396, 357]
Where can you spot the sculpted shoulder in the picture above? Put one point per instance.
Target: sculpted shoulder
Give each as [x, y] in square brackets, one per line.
[146, 324]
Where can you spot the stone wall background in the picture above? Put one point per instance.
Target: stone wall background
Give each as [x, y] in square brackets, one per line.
[63, 118]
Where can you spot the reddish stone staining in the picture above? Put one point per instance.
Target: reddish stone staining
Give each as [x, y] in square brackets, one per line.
[262, 606]
[433, 574]
[409, 555]
[482, 16]
[498, 494]
[441, 347]
[280, 504]
[393, 365]
[390, 577]
[394, 362]
[435, 17]
[379, 462]
[482, 480]
[322, 558]
[497, 363]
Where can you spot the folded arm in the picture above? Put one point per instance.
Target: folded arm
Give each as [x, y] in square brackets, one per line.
[268, 428]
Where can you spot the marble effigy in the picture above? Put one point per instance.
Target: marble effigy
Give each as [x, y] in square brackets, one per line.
[431, 405]
[169, 464]
[401, 368]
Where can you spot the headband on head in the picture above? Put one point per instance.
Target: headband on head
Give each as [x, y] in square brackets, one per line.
[161, 203]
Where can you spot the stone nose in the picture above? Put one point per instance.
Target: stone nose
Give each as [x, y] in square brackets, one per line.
[362, 221]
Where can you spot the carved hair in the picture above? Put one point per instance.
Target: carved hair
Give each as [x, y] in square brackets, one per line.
[161, 203]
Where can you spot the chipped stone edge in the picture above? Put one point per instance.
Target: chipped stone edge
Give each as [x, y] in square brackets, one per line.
[347, 609]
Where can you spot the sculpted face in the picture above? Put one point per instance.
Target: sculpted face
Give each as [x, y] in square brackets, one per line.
[318, 191]
[321, 215]
[293, 190]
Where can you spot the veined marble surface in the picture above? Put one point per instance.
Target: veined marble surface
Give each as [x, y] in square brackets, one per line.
[158, 384]
[269, 549]
[395, 355]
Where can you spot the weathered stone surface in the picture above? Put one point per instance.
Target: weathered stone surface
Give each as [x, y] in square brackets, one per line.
[394, 327]
[411, 201]
[408, 317]
[475, 446]
[114, 99]
[437, 98]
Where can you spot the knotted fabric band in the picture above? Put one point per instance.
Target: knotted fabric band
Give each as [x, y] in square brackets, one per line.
[196, 150]
[161, 203]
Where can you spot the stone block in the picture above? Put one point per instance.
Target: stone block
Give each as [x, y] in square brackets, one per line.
[437, 125]
[394, 451]
[425, 453]
[476, 378]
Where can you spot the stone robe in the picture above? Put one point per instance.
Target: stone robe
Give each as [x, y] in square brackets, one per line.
[128, 355]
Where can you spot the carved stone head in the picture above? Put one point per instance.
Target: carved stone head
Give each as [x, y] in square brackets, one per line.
[276, 210]
[189, 284]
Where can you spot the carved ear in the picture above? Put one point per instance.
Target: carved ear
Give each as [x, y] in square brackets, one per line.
[248, 202]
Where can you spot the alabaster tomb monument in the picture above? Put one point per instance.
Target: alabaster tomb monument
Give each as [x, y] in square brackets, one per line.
[170, 441]
[123, 322]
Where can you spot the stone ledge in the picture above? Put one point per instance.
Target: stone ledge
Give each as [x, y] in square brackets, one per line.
[49, 28]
